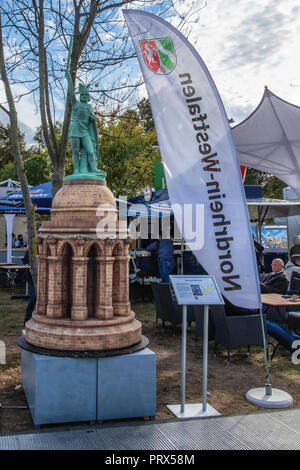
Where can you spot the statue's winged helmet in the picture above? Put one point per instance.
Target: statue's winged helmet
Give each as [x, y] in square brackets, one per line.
[83, 88]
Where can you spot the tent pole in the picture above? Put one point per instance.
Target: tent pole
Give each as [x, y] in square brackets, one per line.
[181, 249]
[9, 220]
[259, 224]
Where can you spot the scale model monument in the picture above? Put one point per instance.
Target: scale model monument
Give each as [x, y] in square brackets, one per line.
[83, 272]
[83, 354]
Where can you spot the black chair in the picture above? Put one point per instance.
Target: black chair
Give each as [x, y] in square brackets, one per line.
[294, 321]
[167, 309]
[293, 312]
[236, 330]
[294, 287]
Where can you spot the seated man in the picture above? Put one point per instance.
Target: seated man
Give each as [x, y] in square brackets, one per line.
[277, 281]
[20, 243]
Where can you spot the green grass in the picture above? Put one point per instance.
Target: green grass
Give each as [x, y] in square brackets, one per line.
[11, 311]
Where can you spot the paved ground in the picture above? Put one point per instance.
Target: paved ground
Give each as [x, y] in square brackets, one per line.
[276, 430]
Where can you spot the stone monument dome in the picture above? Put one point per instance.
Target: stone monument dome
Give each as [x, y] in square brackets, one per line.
[79, 206]
[83, 274]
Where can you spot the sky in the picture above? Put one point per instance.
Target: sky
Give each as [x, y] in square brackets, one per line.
[246, 45]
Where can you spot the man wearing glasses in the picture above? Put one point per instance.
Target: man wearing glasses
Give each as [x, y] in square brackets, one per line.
[277, 281]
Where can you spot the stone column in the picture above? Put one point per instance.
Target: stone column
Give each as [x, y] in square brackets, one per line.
[121, 303]
[104, 278]
[79, 309]
[42, 287]
[55, 287]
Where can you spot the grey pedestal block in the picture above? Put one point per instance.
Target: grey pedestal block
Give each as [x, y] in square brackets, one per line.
[64, 389]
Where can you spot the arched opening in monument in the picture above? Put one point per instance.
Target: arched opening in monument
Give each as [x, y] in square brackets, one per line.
[46, 274]
[118, 278]
[67, 280]
[93, 281]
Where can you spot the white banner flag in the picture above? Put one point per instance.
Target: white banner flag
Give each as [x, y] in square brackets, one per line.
[199, 156]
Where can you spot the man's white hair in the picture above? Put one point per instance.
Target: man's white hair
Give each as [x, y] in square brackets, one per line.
[279, 259]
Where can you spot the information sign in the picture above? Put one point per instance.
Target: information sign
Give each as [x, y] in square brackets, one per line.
[196, 290]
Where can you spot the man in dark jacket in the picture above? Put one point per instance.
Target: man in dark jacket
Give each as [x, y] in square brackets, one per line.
[277, 281]
[165, 255]
[26, 275]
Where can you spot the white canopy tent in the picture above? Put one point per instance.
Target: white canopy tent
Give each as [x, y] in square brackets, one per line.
[269, 139]
[5, 187]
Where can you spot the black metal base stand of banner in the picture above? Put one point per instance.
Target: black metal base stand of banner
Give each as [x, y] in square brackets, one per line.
[268, 397]
[194, 410]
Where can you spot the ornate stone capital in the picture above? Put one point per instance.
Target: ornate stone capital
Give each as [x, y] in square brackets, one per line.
[80, 241]
[52, 240]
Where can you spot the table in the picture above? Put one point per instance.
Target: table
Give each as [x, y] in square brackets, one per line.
[12, 267]
[277, 301]
[11, 277]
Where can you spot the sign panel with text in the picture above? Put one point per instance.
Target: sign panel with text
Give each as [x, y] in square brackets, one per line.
[196, 290]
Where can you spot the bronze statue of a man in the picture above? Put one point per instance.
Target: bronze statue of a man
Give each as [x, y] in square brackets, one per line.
[83, 132]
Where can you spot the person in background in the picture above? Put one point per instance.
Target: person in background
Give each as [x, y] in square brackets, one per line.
[292, 265]
[20, 243]
[26, 275]
[259, 255]
[284, 336]
[165, 256]
[276, 281]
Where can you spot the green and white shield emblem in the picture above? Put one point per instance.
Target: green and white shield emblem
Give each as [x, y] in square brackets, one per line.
[159, 55]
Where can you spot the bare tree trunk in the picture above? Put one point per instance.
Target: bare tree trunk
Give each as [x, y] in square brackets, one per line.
[30, 217]
[43, 29]
[58, 176]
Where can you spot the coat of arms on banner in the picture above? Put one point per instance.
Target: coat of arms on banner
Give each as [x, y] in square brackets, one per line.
[159, 55]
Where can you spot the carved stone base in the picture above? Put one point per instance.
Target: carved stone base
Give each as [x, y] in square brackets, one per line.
[67, 335]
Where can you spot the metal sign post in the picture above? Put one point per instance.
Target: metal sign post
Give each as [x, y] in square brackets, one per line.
[194, 290]
[183, 358]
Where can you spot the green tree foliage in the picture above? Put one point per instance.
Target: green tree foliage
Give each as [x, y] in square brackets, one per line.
[37, 167]
[6, 154]
[35, 160]
[127, 154]
[272, 186]
[145, 114]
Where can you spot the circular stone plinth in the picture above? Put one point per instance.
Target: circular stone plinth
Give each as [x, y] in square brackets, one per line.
[22, 343]
[93, 338]
[278, 399]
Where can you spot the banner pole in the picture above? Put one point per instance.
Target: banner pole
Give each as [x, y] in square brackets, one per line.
[205, 355]
[183, 357]
[268, 385]
[266, 396]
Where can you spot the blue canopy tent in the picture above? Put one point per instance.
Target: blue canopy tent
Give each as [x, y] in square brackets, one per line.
[41, 197]
[159, 206]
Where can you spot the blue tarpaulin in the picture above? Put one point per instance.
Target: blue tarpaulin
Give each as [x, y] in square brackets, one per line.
[41, 197]
[160, 205]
